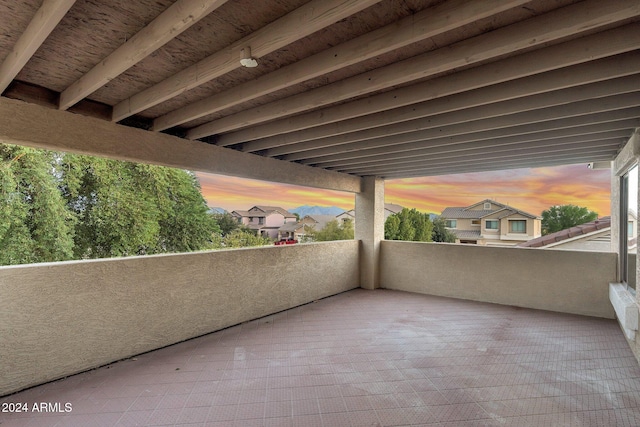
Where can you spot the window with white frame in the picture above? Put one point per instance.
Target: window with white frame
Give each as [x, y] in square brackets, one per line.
[450, 223]
[517, 226]
[491, 224]
[487, 206]
[475, 222]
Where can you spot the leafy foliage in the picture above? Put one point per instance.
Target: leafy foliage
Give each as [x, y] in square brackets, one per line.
[440, 233]
[560, 217]
[409, 225]
[35, 225]
[227, 223]
[241, 238]
[126, 208]
[61, 206]
[331, 231]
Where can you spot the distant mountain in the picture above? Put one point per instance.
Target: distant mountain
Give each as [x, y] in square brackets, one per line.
[316, 210]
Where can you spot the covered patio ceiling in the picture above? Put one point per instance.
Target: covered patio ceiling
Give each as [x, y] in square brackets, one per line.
[389, 88]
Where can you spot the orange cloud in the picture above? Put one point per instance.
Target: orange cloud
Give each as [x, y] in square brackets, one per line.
[233, 193]
[531, 190]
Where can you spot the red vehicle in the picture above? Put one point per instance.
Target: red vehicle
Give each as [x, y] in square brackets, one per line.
[286, 242]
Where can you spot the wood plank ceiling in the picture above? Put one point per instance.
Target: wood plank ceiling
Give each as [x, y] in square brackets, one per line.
[391, 88]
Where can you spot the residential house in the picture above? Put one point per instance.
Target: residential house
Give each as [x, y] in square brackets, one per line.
[265, 220]
[297, 230]
[389, 209]
[491, 223]
[590, 236]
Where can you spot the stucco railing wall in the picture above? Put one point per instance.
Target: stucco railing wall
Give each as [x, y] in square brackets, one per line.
[555, 280]
[62, 318]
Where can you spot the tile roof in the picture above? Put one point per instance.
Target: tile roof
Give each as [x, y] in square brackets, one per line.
[321, 220]
[467, 234]
[291, 226]
[468, 213]
[269, 209]
[463, 213]
[393, 207]
[578, 230]
[250, 214]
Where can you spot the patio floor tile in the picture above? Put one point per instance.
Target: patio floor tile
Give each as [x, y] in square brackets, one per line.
[365, 358]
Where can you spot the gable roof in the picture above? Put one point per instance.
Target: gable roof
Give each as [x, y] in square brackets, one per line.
[568, 233]
[248, 214]
[468, 212]
[321, 220]
[393, 207]
[270, 209]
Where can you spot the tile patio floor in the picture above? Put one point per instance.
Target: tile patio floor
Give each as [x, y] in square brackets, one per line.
[367, 358]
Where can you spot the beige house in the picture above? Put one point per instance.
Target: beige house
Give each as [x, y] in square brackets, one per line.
[265, 220]
[491, 223]
[298, 231]
[389, 209]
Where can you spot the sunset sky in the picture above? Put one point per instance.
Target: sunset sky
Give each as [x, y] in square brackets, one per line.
[531, 190]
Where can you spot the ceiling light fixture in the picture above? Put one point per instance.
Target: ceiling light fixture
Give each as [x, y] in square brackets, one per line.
[245, 58]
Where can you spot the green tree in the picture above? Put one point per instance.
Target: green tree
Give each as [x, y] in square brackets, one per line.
[440, 232]
[560, 217]
[242, 238]
[227, 223]
[331, 231]
[409, 225]
[35, 225]
[126, 208]
[392, 228]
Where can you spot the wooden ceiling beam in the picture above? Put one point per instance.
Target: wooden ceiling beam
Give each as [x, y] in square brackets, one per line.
[299, 23]
[497, 153]
[173, 21]
[44, 21]
[552, 154]
[487, 167]
[452, 148]
[485, 139]
[585, 49]
[472, 121]
[566, 154]
[427, 23]
[504, 98]
[555, 25]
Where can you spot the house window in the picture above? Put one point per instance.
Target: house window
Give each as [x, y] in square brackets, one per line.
[475, 222]
[517, 226]
[630, 229]
[487, 206]
[451, 223]
[261, 220]
[491, 224]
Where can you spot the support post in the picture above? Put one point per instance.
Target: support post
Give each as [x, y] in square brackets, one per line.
[370, 229]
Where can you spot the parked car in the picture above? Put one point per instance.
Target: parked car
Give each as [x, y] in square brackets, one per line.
[286, 242]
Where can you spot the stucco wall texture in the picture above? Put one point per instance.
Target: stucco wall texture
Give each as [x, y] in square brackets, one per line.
[555, 280]
[62, 318]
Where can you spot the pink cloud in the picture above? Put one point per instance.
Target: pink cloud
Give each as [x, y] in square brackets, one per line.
[531, 190]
